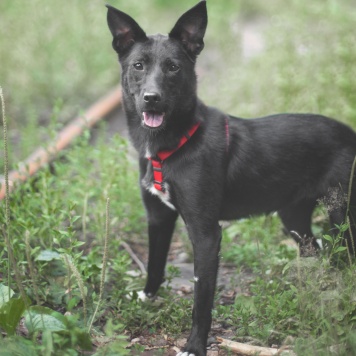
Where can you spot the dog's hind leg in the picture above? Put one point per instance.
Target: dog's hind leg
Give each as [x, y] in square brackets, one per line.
[161, 223]
[296, 219]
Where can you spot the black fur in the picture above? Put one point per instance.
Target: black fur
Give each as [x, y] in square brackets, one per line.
[283, 163]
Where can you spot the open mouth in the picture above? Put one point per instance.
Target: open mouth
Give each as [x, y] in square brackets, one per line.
[152, 118]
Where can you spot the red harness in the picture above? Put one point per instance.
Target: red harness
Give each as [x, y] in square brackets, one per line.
[163, 155]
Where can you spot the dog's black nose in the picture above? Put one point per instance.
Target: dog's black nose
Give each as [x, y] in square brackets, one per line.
[151, 97]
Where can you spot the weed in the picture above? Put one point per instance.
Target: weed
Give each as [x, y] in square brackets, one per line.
[7, 195]
[334, 248]
[249, 242]
[31, 267]
[105, 258]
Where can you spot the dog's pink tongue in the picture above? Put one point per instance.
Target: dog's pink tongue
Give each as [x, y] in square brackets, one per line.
[152, 119]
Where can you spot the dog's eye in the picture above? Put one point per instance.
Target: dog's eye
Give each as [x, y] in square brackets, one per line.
[138, 66]
[173, 68]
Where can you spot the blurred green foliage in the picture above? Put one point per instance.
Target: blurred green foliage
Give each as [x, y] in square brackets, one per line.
[52, 50]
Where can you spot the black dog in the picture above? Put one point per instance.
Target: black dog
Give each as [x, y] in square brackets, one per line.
[208, 166]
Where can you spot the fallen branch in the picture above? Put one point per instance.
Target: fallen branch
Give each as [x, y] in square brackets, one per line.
[250, 350]
[134, 257]
[44, 155]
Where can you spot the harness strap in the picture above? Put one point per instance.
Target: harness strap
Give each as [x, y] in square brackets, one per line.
[157, 175]
[163, 155]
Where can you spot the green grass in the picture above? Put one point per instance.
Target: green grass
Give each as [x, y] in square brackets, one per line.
[55, 59]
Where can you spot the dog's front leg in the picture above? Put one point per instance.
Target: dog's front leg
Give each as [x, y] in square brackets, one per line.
[206, 245]
[161, 222]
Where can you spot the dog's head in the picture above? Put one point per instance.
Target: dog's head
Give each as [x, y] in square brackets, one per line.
[158, 75]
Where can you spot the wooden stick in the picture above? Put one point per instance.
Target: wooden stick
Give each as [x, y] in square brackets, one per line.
[250, 350]
[41, 155]
[134, 257]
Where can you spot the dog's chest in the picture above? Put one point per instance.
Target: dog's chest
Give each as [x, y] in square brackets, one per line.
[148, 184]
[154, 180]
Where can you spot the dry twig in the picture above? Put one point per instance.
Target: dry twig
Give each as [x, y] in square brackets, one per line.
[133, 256]
[250, 350]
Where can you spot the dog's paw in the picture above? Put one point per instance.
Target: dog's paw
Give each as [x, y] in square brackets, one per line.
[192, 349]
[141, 295]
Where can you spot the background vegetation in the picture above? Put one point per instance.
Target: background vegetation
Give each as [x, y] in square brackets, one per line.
[260, 58]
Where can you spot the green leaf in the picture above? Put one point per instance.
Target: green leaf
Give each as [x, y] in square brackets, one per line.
[328, 238]
[73, 302]
[47, 342]
[246, 302]
[48, 255]
[39, 318]
[64, 233]
[10, 314]
[49, 321]
[75, 218]
[17, 346]
[293, 289]
[5, 294]
[117, 347]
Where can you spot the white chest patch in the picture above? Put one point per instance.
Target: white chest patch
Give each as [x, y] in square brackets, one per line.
[164, 196]
[148, 153]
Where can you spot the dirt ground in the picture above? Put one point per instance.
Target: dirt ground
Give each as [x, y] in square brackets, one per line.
[229, 285]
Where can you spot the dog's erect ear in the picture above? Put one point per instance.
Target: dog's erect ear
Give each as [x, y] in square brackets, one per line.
[124, 29]
[190, 28]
